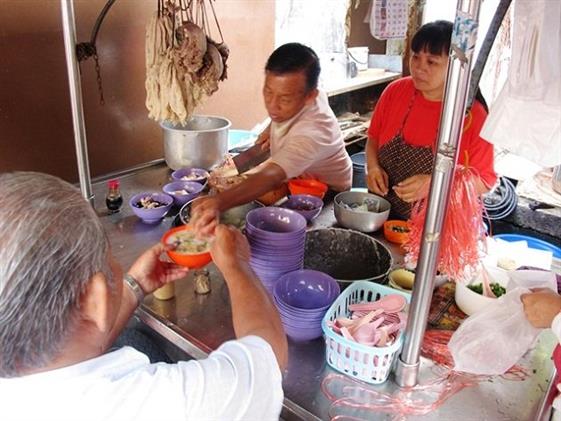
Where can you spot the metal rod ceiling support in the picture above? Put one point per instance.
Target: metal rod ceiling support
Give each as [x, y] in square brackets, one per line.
[69, 31]
[449, 133]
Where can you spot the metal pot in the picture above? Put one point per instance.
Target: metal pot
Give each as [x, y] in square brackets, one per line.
[556, 180]
[202, 142]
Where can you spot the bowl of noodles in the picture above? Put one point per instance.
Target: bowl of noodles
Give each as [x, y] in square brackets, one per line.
[185, 249]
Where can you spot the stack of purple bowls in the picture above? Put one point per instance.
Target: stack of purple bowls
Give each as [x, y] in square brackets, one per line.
[302, 298]
[277, 238]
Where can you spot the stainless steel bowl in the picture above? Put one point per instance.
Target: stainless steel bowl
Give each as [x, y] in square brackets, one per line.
[360, 221]
[234, 216]
[202, 142]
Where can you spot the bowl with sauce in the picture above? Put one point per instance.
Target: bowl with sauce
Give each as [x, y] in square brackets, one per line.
[185, 249]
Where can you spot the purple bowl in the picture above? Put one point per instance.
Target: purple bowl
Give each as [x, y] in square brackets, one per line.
[198, 175]
[273, 265]
[151, 216]
[275, 240]
[307, 289]
[313, 323]
[302, 334]
[305, 204]
[276, 222]
[277, 249]
[303, 321]
[299, 316]
[192, 187]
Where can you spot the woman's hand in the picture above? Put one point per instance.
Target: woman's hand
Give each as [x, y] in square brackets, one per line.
[413, 188]
[541, 307]
[377, 180]
[152, 273]
[205, 215]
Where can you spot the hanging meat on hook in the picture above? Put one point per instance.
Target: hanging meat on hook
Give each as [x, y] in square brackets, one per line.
[183, 63]
[192, 46]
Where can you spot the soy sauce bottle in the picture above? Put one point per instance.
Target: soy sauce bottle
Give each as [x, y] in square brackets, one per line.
[113, 199]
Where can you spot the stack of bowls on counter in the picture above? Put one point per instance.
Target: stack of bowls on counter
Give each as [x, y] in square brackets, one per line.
[277, 237]
[302, 298]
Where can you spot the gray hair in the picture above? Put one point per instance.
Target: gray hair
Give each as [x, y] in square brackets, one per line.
[51, 244]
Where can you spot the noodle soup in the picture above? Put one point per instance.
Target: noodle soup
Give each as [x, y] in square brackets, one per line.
[185, 242]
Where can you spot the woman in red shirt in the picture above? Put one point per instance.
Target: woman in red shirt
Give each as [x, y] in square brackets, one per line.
[403, 132]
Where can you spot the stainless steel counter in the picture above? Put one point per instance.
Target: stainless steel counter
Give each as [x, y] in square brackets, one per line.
[199, 324]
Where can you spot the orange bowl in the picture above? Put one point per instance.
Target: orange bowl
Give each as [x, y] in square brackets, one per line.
[396, 231]
[307, 186]
[193, 261]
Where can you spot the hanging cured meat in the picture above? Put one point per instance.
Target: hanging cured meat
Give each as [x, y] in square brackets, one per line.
[183, 63]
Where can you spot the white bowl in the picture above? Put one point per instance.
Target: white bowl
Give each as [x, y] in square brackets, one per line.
[471, 302]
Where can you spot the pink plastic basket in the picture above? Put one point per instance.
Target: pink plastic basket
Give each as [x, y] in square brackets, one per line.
[367, 363]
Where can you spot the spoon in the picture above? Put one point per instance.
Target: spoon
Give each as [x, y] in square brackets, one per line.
[391, 303]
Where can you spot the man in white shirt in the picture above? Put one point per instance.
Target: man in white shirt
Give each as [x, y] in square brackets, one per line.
[63, 301]
[304, 136]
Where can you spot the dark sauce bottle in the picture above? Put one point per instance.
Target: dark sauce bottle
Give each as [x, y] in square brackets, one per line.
[113, 200]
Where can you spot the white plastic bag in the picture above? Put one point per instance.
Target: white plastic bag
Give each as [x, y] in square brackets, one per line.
[526, 117]
[494, 339]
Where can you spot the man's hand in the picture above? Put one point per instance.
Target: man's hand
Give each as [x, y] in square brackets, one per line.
[264, 139]
[205, 215]
[541, 307]
[377, 180]
[152, 273]
[230, 249]
[413, 188]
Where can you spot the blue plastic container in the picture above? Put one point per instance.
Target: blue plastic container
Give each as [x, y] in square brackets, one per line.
[240, 137]
[533, 243]
[359, 169]
[366, 363]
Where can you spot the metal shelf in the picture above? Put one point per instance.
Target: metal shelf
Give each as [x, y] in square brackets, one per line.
[365, 78]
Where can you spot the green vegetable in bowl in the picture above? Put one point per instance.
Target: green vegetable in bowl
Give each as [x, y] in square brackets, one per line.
[497, 288]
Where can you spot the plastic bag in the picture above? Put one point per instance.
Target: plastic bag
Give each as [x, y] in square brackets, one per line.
[526, 117]
[494, 339]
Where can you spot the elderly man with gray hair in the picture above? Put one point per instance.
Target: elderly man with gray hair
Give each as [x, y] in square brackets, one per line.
[63, 302]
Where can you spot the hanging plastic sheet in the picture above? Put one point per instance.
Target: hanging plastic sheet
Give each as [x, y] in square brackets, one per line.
[526, 117]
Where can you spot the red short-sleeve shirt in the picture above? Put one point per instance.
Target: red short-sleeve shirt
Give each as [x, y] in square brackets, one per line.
[422, 125]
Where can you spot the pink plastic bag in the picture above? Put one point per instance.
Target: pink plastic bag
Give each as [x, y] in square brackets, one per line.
[494, 339]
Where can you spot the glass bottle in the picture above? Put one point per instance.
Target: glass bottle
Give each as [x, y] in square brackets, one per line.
[113, 199]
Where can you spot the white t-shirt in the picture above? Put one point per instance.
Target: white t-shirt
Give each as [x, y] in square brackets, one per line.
[239, 381]
[310, 144]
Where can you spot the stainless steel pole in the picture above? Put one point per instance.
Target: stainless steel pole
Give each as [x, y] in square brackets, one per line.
[449, 132]
[69, 30]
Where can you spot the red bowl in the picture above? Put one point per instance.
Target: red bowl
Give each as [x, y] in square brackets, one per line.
[307, 186]
[392, 231]
[192, 261]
